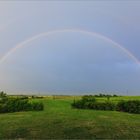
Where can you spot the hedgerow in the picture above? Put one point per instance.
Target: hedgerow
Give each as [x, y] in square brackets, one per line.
[89, 102]
[15, 104]
[131, 106]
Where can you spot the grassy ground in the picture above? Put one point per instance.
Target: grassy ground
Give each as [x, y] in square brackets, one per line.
[60, 121]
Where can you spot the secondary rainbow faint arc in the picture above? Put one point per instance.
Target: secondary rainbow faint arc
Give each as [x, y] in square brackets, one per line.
[94, 34]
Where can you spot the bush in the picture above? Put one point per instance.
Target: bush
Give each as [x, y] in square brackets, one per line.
[19, 104]
[3, 109]
[3, 97]
[78, 104]
[37, 97]
[132, 106]
[88, 98]
[94, 105]
[89, 102]
[85, 102]
[16, 104]
[104, 106]
[2, 94]
[23, 97]
[37, 106]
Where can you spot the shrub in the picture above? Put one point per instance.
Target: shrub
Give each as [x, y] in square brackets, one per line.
[88, 98]
[3, 97]
[3, 109]
[16, 104]
[105, 95]
[85, 102]
[23, 97]
[89, 102]
[78, 104]
[104, 106]
[131, 106]
[94, 105]
[2, 94]
[37, 106]
[19, 104]
[37, 97]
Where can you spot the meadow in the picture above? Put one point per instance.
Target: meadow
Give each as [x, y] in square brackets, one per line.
[60, 121]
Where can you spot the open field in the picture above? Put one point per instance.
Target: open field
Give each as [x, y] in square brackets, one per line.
[60, 121]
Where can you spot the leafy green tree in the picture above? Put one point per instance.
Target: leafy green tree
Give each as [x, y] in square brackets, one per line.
[2, 94]
[3, 97]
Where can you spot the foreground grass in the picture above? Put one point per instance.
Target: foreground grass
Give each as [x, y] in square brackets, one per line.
[60, 121]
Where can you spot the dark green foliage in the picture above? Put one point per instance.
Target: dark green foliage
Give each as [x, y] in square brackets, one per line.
[18, 104]
[89, 102]
[78, 104]
[103, 106]
[23, 97]
[131, 106]
[94, 105]
[88, 98]
[3, 108]
[115, 95]
[37, 106]
[105, 95]
[3, 97]
[36, 97]
[85, 102]
[2, 94]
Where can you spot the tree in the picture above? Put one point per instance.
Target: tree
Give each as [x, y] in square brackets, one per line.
[3, 97]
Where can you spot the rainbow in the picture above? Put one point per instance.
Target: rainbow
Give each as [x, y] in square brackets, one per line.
[93, 34]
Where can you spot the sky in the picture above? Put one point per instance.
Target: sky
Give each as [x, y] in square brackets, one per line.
[67, 47]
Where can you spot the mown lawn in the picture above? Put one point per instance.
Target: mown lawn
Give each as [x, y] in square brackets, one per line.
[60, 121]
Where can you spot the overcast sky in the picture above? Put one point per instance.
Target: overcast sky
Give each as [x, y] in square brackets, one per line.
[70, 62]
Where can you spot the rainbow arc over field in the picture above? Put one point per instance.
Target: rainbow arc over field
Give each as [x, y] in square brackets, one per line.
[48, 33]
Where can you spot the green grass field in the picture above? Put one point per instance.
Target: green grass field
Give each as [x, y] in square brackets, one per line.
[60, 121]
